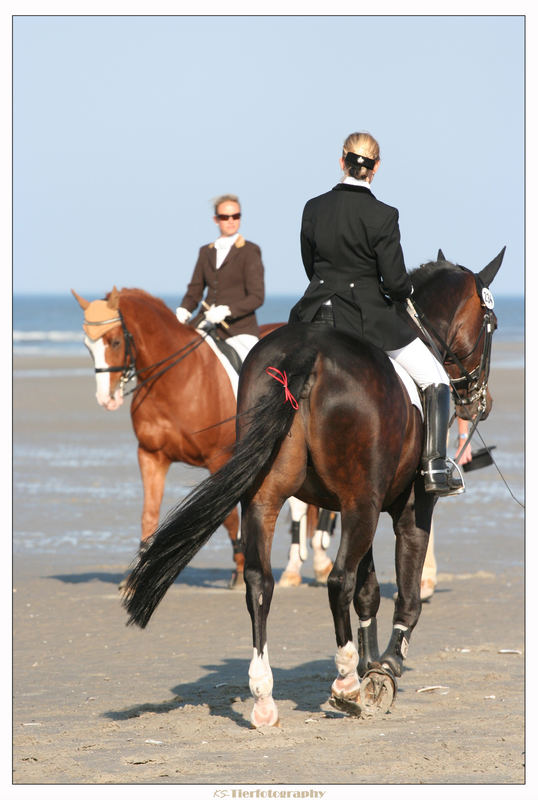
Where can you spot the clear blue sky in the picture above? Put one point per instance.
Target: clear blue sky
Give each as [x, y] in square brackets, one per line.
[124, 128]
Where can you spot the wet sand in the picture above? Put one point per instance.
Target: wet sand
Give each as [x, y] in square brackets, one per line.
[96, 702]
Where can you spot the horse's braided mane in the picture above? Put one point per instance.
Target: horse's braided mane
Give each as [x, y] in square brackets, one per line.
[421, 275]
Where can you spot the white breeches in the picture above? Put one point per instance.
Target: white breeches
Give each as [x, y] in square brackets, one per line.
[420, 363]
[242, 343]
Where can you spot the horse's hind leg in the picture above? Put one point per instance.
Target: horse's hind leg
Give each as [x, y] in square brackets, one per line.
[258, 523]
[412, 522]
[358, 528]
[366, 603]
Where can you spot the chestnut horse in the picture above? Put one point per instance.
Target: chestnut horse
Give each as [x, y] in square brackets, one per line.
[337, 429]
[183, 407]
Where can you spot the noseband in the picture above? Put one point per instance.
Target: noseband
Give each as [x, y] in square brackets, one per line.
[128, 368]
[474, 382]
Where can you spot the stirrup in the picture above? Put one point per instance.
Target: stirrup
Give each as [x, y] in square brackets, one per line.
[455, 488]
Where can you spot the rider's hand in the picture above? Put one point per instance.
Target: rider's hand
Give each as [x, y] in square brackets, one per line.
[465, 446]
[217, 314]
[182, 314]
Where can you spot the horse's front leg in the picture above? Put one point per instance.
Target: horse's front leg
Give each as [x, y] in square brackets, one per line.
[412, 522]
[358, 528]
[257, 528]
[153, 469]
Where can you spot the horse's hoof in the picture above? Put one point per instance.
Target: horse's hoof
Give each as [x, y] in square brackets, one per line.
[427, 588]
[237, 581]
[290, 579]
[321, 575]
[377, 692]
[265, 714]
[346, 706]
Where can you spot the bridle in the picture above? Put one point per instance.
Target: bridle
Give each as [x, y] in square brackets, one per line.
[474, 382]
[128, 368]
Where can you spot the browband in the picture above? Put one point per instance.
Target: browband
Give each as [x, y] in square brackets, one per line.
[356, 160]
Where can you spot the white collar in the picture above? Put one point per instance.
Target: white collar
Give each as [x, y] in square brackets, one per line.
[226, 242]
[355, 182]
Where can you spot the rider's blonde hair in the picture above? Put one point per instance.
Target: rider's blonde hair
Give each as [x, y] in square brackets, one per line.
[362, 144]
[225, 198]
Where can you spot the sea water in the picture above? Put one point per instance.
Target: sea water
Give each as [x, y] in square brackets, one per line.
[52, 324]
[58, 478]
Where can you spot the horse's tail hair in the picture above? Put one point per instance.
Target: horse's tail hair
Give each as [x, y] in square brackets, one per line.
[191, 524]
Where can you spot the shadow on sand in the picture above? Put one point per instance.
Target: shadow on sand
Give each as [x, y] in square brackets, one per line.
[203, 577]
[225, 696]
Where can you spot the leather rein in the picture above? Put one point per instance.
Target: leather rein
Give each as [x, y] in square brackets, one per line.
[473, 382]
[128, 368]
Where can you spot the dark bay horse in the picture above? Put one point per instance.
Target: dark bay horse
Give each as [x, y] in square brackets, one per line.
[183, 407]
[324, 416]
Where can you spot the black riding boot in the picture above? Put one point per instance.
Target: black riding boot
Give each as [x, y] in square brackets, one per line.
[439, 476]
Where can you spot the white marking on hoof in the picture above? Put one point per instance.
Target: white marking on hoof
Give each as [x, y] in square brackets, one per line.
[260, 675]
[264, 713]
[290, 579]
[347, 684]
[346, 659]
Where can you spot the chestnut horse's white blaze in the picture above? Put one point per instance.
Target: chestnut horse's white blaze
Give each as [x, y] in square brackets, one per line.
[110, 401]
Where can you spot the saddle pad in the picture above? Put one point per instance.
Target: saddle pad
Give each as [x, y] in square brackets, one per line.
[410, 385]
[230, 371]
[407, 380]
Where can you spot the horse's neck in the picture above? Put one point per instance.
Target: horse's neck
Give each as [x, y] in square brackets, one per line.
[440, 304]
[155, 335]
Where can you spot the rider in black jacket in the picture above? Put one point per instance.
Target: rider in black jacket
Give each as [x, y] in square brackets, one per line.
[351, 251]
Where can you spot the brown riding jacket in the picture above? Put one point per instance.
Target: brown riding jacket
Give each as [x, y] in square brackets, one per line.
[238, 283]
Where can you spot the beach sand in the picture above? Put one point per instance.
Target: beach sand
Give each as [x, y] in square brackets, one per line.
[96, 702]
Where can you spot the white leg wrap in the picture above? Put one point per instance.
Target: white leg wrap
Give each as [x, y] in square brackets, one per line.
[294, 561]
[321, 559]
[298, 514]
[346, 659]
[260, 675]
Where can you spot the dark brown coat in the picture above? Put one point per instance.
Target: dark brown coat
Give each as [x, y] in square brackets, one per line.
[239, 284]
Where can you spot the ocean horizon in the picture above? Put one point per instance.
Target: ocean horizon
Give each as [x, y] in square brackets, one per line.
[51, 324]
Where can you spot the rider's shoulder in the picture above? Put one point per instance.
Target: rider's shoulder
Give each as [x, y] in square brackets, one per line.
[246, 245]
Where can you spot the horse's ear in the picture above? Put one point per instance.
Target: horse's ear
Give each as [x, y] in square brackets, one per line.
[441, 255]
[487, 274]
[114, 298]
[80, 300]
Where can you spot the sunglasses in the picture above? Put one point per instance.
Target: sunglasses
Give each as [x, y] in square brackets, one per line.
[224, 217]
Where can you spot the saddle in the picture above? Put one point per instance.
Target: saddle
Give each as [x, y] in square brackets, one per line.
[226, 349]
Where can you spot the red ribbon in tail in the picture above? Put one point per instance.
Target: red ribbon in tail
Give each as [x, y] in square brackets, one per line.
[282, 378]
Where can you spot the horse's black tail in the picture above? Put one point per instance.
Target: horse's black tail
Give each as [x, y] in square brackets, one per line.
[191, 524]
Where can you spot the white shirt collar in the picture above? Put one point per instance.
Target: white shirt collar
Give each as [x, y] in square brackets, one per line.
[355, 182]
[225, 242]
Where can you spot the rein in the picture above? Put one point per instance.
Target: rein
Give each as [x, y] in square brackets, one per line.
[473, 382]
[128, 368]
